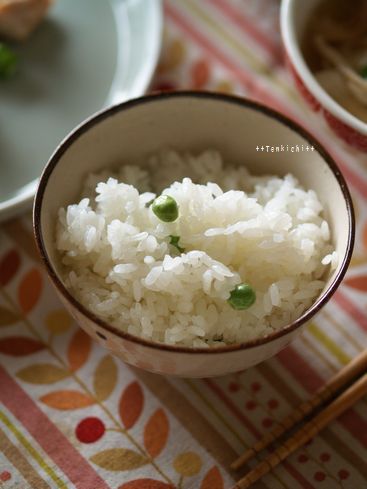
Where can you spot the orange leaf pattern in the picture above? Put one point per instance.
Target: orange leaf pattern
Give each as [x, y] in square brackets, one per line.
[146, 484]
[119, 459]
[156, 433]
[212, 480]
[187, 464]
[200, 73]
[359, 282]
[29, 290]
[58, 321]
[19, 346]
[7, 317]
[225, 87]
[42, 373]
[9, 265]
[105, 378]
[131, 404]
[67, 400]
[79, 349]
[173, 57]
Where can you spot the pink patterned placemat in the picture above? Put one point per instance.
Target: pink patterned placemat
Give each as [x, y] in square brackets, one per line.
[73, 416]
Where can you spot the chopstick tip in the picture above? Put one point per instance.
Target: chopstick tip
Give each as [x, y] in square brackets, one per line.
[245, 457]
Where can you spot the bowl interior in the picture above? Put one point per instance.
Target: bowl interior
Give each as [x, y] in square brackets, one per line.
[190, 122]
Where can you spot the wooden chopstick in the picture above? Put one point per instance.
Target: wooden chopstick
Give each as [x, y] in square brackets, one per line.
[308, 431]
[348, 373]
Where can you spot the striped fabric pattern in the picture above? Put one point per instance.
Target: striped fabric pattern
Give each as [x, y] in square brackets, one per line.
[71, 416]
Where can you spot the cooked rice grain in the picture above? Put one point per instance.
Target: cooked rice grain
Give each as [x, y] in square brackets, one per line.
[235, 227]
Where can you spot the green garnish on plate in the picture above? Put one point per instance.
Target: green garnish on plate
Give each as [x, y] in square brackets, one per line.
[8, 61]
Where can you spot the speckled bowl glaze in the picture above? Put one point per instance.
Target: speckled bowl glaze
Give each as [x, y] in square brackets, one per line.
[349, 129]
[191, 121]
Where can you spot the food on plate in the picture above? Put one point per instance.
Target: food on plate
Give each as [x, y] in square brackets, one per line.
[187, 250]
[335, 48]
[18, 18]
[8, 61]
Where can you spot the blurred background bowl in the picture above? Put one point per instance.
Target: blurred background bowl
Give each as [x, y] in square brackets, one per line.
[294, 17]
[190, 121]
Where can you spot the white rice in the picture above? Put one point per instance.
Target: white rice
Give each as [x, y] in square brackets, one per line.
[266, 231]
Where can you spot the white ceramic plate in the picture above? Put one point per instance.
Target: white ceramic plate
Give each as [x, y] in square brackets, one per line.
[85, 56]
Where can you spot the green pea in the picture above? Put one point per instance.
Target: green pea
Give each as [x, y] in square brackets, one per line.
[8, 61]
[363, 71]
[165, 208]
[242, 297]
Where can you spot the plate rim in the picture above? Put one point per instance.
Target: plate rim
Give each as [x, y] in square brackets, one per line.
[22, 199]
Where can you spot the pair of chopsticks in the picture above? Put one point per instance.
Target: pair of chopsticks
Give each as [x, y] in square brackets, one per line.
[356, 369]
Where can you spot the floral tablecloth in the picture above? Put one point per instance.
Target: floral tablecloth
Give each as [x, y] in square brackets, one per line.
[71, 416]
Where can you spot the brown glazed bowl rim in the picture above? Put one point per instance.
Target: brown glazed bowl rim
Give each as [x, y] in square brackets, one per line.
[230, 99]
